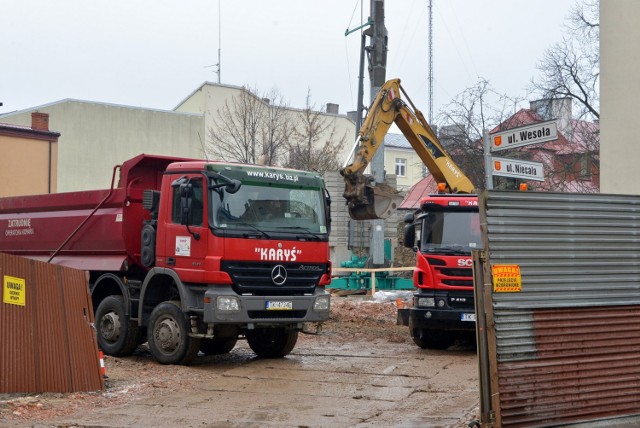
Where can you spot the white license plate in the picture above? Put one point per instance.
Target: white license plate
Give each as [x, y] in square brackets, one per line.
[468, 317]
[279, 305]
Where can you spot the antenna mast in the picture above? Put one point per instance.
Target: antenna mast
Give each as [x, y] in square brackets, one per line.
[219, 42]
[430, 62]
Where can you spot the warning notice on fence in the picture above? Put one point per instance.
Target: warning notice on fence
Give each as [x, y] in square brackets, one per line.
[14, 291]
[506, 278]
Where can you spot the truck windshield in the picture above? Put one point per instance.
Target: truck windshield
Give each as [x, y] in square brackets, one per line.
[269, 208]
[451, 232]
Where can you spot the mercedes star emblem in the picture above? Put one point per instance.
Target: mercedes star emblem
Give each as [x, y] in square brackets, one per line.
[279, 275]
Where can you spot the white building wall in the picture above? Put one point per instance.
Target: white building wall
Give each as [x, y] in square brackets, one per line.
[210, 98]
[414, 167]
[619, 94]
[94, 137]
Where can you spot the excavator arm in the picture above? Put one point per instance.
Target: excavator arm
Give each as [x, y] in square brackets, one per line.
[368, 200]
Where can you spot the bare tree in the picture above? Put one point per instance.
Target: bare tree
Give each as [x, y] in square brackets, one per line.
[463, 122]
[276, 129]
[571, 68]
[250, 128]
[314, 144]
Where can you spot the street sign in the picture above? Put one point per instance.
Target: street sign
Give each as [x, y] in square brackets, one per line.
[518, 169]
[524, 135]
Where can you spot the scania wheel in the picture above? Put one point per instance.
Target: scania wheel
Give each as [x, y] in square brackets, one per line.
[432, 339]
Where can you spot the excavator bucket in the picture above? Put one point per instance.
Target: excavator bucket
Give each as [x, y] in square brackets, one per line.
[380, 201]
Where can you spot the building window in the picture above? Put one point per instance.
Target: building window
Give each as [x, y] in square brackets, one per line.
[401, 167]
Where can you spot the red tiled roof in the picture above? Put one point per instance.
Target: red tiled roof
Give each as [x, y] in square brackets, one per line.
[521, 118]
[426, 186]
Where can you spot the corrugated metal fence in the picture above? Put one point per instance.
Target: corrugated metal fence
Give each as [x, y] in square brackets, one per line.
[563, 330]
[48, 343]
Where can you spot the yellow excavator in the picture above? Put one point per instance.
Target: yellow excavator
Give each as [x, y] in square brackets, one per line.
[368, 200]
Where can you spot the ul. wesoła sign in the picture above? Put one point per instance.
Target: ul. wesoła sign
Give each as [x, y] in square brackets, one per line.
[524, 135]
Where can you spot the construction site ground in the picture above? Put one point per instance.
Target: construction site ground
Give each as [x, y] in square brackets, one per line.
[363, 371]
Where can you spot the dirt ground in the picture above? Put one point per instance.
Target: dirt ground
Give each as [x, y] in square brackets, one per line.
[364, 370]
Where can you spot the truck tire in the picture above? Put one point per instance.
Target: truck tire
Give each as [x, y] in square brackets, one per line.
[218, 346]
[432, 339]
[271, 342]
[168, 335]
[117, 334]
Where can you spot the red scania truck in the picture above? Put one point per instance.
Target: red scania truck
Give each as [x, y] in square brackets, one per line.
[188, 255]
[443, 231]
[446, 224]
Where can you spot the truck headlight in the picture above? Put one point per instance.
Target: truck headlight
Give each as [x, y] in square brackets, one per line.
[227, 303]
[321, 304]
[426, 302]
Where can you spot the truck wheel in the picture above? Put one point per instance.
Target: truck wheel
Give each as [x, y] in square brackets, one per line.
[218, 346]
[117, 334]
[432, 339]
[168, 335]
[271, 342]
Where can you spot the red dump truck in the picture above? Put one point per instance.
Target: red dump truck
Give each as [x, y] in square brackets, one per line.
[188, 255]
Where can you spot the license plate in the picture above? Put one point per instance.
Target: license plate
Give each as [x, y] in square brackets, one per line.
[279, 305]
[468, 317]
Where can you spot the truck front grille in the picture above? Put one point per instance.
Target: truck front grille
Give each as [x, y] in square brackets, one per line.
[456, 276]
[255, 277]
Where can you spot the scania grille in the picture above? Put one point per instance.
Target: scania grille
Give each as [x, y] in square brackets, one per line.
[256, 277]
[456, 276]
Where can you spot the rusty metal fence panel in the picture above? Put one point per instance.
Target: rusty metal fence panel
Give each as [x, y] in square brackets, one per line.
[564, 347]
[46, 329]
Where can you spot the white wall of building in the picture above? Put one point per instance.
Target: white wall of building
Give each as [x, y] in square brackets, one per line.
[413, 166]
[210, 98]
[94, 137]
[619, 95]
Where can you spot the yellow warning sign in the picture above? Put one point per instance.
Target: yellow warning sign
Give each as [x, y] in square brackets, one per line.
[14, 291]
[506, 278]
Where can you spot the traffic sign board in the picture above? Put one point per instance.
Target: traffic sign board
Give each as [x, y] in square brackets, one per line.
[524, 135]
[518, 169]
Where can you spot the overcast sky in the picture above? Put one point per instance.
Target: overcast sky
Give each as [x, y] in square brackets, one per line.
[154, 53]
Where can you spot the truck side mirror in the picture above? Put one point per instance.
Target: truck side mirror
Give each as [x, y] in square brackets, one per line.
[186, 190]
[410, 235]
[233, 186]
[327, 207]
[408, 218]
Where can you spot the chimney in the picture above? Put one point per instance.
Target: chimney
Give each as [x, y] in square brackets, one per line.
[555, 108]
[333, 108]
[40, 121]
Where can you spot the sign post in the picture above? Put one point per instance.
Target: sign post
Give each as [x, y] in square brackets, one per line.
[517, 137]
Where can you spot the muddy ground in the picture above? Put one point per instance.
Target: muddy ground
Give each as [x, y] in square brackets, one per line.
[363, 371]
